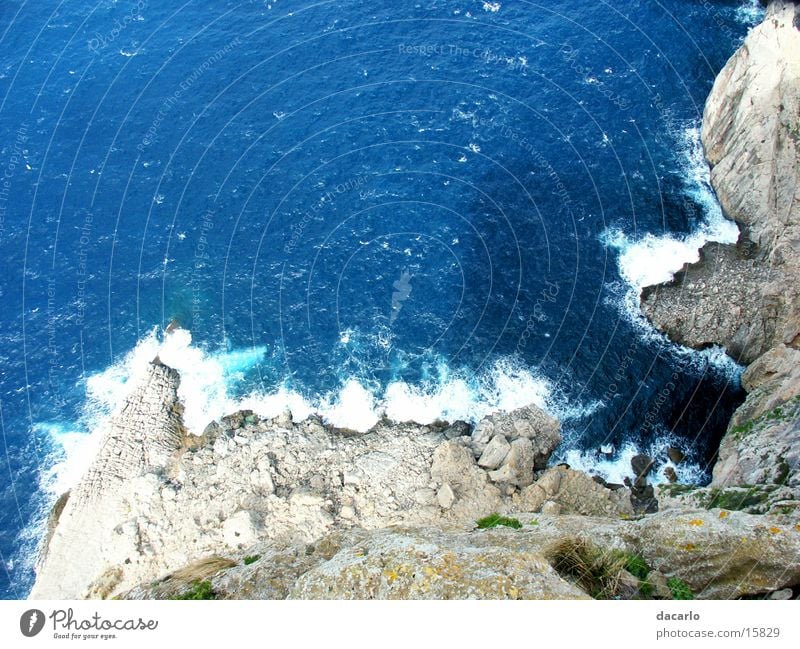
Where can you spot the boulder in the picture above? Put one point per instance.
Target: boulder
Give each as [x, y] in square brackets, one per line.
[494, 453]
[445, 496]
[641, 465]
[675, 455]
[521, 461]
[783, 594]
[530, 422]
[573, 492]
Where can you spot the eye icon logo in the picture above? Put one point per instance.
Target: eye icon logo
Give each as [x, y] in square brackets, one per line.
[31, 622]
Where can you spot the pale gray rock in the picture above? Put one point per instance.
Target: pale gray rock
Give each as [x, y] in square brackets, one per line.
[94, 535]
[573, 492]
[718, 554]
[518, 465]
[495, 452]
[724, 299]
[783, 594]
[754, 499]
[747, 297]
[445, 496]
[530, 422]
[156, 499]
[750, 135]
[431, 564]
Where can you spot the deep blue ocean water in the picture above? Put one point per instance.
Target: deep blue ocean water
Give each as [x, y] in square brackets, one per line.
[429, 209]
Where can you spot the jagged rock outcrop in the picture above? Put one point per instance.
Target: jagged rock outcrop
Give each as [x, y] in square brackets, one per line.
[747, 297]
[533, 424]
[750, 134]
[92, 535]
[726, 298]
[719, 554]
[280, 509]
[769, 498]
[564, 491]
[156, 499]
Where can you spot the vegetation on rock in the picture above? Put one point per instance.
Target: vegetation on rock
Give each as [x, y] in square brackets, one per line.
[680, 589]
[199, 590]
[594, 570]
[495, 520]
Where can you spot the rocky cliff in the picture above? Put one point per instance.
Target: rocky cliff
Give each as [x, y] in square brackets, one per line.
[156, 499]
[277, 508]
[747, 297]
[92, 531]
[712, 554]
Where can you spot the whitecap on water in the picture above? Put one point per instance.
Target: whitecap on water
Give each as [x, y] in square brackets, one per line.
[616, 467]
[652, 259]
[205, 390]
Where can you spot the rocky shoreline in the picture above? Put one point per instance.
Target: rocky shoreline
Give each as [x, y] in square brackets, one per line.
[276, 508]
[746, 297]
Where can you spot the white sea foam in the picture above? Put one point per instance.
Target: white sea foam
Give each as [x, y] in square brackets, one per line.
[205, 390]
[617, 467]
[504, 387]
[353, 407]
[750, 13]
[653, 259]
[75, 450]
[209, 388]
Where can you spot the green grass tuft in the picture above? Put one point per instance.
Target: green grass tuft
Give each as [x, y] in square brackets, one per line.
[251, 559]
[199, 590]
[646, 589]
[596, 571]
[637, 566]
[680, 589]
[737, 499]
[495, 520]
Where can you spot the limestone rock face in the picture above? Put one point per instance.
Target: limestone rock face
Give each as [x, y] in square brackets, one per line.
[494, 453]
[87, 544]
[530, 423]
[762, 450]
[726, 298]
[573, 492]
[718, 553]
[750, 134]
[752, 499]
[155, 500]
[721, 554]
[430, 564]
[747, 298]
[762, 445]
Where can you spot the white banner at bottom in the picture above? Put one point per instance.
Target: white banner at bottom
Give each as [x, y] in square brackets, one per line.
[355, 624]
